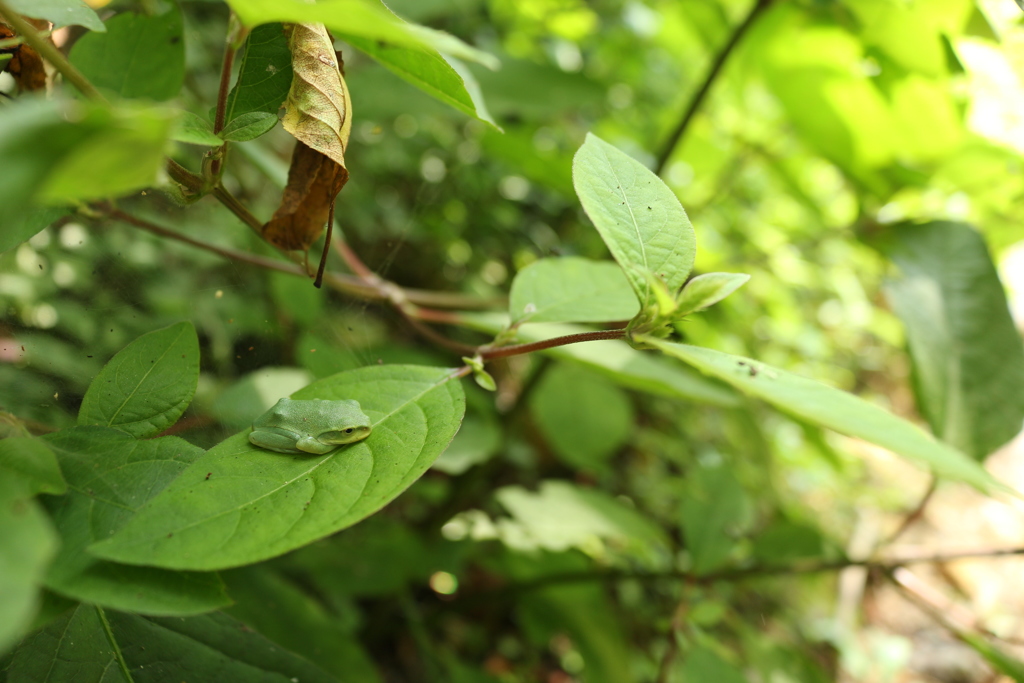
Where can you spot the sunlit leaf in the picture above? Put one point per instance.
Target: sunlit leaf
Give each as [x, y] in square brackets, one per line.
[239, 504]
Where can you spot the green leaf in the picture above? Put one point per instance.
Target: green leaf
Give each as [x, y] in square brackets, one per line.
[967, 354]
[624, 365]
[561, 515]
[115, 151]
[256, 392]
[1000, 660]
[785, 542]
[27, 544]
[26, 223]
[141, 56]
[571, 289]
[239, 504]
[714, 509]
[31, 461]
[707, 290]
[702, 664]
[427, 70]
[90, 644]
[58, 151]
[585, 418]
[264, 74]
[146, 387]
[60, 12]
[280, 610]
[249, 126]
[638, 216]
[369, 19]
[104, 469]
[823, 405]
[195, 130]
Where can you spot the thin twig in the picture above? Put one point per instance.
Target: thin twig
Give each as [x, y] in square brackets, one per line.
[50, 53]
[519, 349]
[749, 572]
[915, 514]
[713, 71]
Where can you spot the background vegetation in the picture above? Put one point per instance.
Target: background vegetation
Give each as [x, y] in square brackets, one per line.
[607, 513]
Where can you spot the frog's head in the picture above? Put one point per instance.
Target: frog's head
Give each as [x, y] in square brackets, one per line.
[348, 424]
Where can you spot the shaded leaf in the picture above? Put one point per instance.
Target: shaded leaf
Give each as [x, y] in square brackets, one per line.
[702, 664]
[31, 461]
[146, 387]
[27, 544]
[714, 507]
[318, 114]
[281, 611]
[638, 216]
[707, 290]
[239, 504]
[26, 224]
[104, 469]
[141, 56]
[584, 417]
[264, 74]
[248, 126]
[571, 289]
[59, 12]
[967, 354]
[89, 643]
[826, 406]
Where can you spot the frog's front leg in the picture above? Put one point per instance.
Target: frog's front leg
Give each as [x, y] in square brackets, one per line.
[309, 444]
[275, 439]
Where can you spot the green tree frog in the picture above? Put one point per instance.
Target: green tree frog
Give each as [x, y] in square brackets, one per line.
[311, 426]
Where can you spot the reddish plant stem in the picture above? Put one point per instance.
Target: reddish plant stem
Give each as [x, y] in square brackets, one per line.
[519, 349]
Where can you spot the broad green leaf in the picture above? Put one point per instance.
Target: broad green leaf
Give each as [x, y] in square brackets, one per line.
[59, 151]
[93, 645]
[124, 153]
[638, 216]
[426, 69]
[27, 223]
[624, 365]
[249, 126]
[31, 461]
[703, 664]
[560, 515]
[27, 544]
[826, 406]
[585, 418]
[785, 542]
[146, 387]
[573, 290]
[707, 290]
[369, 19]
[239, 504]
[714, 508]
[288, 615]
[141, 56]
[106, 470]
[264, 74]
[60, 12]
[967, 354]
[195, 130]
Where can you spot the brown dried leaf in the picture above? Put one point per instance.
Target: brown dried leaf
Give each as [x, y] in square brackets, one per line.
[318, 114]
[26, 66]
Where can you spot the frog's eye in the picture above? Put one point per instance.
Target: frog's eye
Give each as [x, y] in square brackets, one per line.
[349, 430]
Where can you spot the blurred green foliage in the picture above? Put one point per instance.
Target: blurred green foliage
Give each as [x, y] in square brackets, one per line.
[547, 542]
